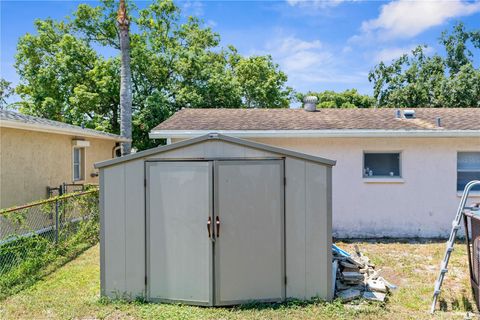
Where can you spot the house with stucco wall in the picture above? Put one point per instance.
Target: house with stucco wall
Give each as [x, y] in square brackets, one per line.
[399, 173]
[37, 153]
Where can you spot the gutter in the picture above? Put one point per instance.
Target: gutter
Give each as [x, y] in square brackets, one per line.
[343, 133]
[57, 130]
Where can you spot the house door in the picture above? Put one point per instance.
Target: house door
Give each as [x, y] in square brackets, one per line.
[215, 232]
[179, 251]
[249, 255]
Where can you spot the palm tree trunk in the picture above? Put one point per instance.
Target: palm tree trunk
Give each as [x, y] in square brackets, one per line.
[125, 79]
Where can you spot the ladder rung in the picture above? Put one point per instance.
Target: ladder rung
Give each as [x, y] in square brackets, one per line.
[456, 225]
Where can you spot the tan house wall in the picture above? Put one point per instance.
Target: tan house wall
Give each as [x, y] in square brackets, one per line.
[31, 160]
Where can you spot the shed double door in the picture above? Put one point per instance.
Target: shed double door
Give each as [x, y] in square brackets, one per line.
[215, 231]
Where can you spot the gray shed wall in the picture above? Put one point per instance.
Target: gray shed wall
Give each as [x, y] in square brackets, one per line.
[308, 232]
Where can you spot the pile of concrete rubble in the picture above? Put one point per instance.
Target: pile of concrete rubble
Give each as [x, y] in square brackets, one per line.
[356, 277]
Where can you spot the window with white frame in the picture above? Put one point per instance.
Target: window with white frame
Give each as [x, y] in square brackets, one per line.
[468, 169]
[381, 164]
[78, 164]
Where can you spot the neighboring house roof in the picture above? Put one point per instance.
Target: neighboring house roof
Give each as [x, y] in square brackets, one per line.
[12, 119]
[324, 122]
[218, 137]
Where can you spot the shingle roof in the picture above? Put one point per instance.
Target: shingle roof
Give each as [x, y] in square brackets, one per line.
[30, 122]
[323, 119]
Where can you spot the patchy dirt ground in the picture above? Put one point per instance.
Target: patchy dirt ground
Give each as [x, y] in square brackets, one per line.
[72, 292]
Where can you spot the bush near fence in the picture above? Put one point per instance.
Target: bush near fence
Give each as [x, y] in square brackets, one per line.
[36, 239]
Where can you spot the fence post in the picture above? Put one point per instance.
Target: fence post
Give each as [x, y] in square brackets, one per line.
[56, 221]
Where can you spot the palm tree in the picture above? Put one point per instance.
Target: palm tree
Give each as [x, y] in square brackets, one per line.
[125, 78]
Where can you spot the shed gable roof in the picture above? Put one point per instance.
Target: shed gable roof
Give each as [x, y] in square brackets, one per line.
[220, 137]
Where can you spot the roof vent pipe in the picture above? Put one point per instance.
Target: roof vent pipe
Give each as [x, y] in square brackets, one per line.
[438, 121]
[310, 103]
[398, 114]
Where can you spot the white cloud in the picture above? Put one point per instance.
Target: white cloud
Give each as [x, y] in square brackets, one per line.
[406, 18]
[310, 64]
[193, 7]
[296, 55]
[389, 54]
[316, 3]
[211, 23]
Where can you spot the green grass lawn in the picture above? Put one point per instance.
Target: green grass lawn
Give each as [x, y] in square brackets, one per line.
[72, 292]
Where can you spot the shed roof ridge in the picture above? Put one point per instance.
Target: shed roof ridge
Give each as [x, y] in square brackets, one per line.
[215, 136]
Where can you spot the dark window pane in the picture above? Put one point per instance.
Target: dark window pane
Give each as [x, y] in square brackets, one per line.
[468, 161]
[468, 169]
[465, 177]
[76, 172]
[381, 164]
[76, 155]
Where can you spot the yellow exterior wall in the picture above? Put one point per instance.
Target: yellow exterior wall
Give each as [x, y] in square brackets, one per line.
[30, 161]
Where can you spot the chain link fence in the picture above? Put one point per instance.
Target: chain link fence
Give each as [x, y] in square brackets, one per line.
[34, 235]
[65, 188]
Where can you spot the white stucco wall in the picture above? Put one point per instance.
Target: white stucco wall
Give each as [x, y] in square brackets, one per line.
[423, 204]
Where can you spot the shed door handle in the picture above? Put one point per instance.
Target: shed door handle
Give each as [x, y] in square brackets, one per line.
[209, 222]
[217, 222]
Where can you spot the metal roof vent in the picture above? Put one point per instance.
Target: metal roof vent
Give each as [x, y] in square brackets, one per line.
[398, 114]
[310, 103]
[409, 114]
[438, 121]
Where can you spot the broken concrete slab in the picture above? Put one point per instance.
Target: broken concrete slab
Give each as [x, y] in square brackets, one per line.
[356, 277]
[376, 285]
[389, 285]
[347, 264]
[352, 275]
[334, 275]
[375, 296]
[349, 295]
[339, 285]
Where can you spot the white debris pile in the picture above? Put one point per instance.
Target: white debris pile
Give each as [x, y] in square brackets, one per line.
[356, 277]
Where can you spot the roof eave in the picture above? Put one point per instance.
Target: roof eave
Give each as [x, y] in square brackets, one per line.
[336, 133]
[52, 129]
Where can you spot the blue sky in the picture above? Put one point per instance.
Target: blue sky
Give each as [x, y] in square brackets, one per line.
[319, 44]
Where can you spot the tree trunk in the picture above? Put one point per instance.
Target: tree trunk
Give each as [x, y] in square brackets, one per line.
[125, 79]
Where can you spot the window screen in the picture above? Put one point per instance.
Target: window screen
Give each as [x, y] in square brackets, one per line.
[381, 165]
[77, 164]
[468, 169]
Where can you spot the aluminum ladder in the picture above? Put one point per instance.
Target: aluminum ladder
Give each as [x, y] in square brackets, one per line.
[451, 240]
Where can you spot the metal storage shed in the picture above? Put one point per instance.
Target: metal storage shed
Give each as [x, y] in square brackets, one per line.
[216, 220]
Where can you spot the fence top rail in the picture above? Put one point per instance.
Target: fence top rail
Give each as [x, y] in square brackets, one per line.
[36, 203]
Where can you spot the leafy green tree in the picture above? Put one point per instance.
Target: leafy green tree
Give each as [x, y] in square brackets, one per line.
[6, 90]
[260, 79]
[419, 80]
[174, 64]
[456, 47]
[350, 98]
